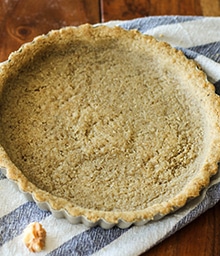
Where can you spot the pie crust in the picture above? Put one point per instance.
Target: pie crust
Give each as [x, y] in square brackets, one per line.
[104, 124]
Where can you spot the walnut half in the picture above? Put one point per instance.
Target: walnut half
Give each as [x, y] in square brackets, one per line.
[34, 237]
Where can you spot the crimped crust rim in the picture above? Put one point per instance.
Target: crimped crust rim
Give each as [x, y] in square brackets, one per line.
[211, 105]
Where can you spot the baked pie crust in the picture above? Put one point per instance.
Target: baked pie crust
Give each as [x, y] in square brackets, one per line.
[104, 124]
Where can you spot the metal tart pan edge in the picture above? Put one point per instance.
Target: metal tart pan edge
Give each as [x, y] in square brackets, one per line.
[58, 214]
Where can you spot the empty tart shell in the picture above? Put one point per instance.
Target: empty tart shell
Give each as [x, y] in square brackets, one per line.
[106, 126]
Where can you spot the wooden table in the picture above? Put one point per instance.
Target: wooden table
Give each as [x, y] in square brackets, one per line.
[21, 20]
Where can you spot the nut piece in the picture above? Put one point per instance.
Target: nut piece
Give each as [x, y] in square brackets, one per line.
[34, 237]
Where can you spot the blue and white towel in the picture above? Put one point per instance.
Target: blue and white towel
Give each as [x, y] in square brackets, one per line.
[199, 38]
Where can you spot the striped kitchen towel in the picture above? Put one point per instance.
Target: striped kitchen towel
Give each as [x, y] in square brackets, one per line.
[199, 39]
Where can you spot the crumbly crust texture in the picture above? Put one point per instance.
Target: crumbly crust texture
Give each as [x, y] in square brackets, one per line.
[107, 124]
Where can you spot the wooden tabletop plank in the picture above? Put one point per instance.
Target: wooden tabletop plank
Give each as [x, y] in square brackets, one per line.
[22, 20]
[201, 237]
[129, 9]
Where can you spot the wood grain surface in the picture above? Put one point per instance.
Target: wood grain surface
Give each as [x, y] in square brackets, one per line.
[128, 9]
[22, 20]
